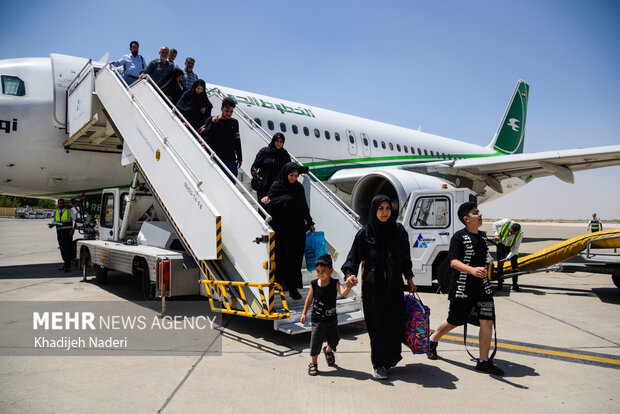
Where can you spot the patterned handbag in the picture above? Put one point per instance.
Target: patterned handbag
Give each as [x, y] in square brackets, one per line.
[417, 327]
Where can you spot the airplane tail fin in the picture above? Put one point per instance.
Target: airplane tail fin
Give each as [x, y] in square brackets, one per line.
[510, 135]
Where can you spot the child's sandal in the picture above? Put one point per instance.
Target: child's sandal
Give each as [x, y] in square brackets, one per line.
[329, 357]
[313, 369]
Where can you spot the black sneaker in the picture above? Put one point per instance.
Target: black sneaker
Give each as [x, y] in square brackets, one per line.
[432, 350]
[516, 289]
[294, 294]
[488, 367]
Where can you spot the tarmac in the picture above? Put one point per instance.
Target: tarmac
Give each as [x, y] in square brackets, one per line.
[558, 341]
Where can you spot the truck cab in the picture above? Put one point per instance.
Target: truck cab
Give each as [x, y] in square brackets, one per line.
[430, 219]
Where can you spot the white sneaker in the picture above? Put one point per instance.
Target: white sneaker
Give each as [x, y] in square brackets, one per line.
[379, 373]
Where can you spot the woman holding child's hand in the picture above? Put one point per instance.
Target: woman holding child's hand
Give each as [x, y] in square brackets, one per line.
[383, 246]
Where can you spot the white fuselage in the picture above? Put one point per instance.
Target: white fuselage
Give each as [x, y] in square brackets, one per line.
[35, 163]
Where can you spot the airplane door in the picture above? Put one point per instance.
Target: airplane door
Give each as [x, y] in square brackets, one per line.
[365, 144]
[352, 142]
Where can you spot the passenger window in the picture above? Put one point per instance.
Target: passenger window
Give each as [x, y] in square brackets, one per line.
[383, 144]
[294, 128]
[327, 135]
[431, 212]
[306, 131]
[12, 85]
[432, 154]
[258, 122]
[425, 153]
[391, 147]
[398, 147]
[419, 151]
[107, 218]
[375, 143]
[351, 139]
[282, 127]
[317, 133]
[365, 141]
[336, 136]
[405, 149]
[270, 125]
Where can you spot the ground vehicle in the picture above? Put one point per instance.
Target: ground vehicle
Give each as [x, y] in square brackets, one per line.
[135, 238]
[430, 218]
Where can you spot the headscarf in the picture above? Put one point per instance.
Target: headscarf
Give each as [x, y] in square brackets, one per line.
[380, 232]
[280, 156]
[282, 191]
[169, 85]
[171, 78]
[194, 101]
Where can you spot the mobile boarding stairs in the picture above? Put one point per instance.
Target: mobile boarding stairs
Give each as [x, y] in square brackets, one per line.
[221, 225]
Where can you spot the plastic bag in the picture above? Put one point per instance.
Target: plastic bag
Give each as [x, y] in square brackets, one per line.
[315, 248]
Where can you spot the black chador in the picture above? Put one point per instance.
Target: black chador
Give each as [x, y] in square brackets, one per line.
[191, 102]
[384, 249]
[291, 220]
[268, 163]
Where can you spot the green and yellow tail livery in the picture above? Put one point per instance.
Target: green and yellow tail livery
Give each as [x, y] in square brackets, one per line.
[510, 134]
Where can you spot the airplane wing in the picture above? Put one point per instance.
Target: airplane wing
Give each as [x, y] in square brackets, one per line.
[476, 173]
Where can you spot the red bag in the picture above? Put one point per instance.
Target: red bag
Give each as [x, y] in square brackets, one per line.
[417, 320]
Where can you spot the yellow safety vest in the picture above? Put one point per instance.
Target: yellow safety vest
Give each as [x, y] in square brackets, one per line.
[64, 218]
[506, 231]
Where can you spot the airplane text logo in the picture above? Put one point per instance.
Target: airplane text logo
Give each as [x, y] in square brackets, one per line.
[512, 122]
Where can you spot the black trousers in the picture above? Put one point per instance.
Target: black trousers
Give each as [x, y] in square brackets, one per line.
[65, 242]
[502, 252]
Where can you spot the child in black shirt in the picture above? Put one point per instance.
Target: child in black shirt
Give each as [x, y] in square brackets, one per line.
[469, 287]
[322, 295]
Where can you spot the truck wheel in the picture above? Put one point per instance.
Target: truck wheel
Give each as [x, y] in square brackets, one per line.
[443, 276]
[615, 277]
[101, 274]
[148, 287]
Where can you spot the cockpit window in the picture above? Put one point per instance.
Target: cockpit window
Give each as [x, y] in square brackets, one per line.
[12, 85]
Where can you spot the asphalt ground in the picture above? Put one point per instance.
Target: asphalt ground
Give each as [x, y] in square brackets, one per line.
[558, 341]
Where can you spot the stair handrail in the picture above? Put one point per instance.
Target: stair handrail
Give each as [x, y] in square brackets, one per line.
[210, 154]
[264, 135]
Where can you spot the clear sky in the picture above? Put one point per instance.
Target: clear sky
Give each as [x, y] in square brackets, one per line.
[448, 67]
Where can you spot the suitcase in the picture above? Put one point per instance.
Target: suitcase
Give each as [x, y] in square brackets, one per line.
[417, 324]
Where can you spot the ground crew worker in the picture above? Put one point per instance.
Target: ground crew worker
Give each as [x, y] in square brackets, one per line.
[595, 224]
[64, 220]
[508, 237]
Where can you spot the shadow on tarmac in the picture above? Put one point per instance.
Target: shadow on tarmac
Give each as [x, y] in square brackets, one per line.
[608, 295]
[511, 369]
[37, 271]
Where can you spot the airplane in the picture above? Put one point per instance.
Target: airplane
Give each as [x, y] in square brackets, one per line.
[358, 157]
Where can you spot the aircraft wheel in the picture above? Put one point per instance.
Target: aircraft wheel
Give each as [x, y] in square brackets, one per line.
[148, 287]
[101, 274]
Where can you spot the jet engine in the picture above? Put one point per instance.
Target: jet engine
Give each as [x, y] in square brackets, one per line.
[395, 183]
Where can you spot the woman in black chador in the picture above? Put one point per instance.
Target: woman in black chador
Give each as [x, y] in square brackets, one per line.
[383, 246]
[268, 162]
[291, 220]
[195, 105]
[172, 86]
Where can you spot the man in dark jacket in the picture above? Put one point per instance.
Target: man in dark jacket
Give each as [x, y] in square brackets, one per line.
[222, 135]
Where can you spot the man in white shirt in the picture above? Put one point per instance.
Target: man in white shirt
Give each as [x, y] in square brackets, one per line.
[508, 236]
